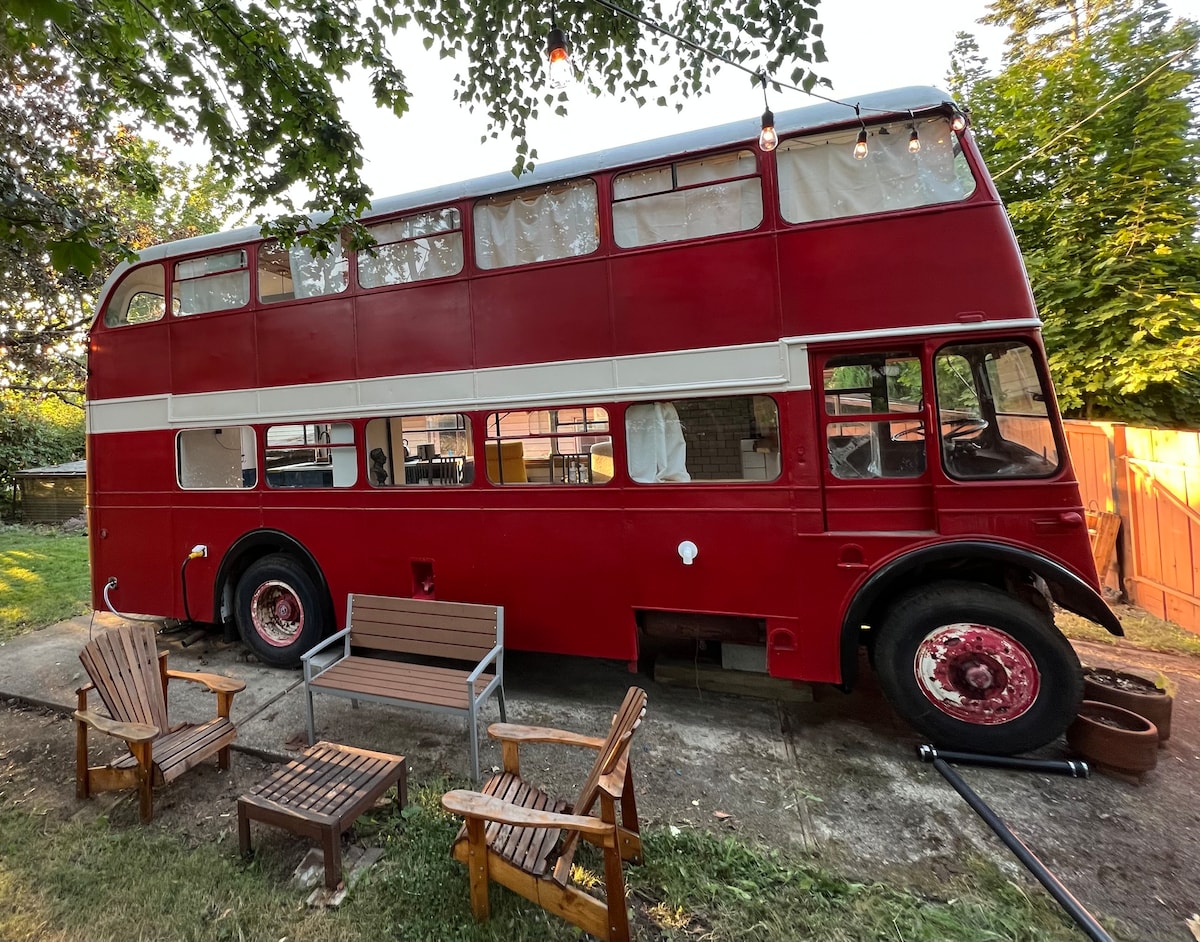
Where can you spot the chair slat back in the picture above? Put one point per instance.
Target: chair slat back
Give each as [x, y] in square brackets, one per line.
[123, 664]
[627, 719]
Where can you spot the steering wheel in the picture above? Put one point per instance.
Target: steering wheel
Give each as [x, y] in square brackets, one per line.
[961, 428]
[910, 433]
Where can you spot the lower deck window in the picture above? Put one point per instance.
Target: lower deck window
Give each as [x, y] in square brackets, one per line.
[319, 454]
[549, 446]
[216, 458]
[429, 450]
[731, 438]
[873, 426]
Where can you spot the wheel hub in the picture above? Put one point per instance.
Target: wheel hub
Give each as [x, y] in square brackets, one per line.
[976, 673]
[277, 614]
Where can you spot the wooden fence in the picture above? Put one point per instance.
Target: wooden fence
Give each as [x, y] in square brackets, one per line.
[1151, 478]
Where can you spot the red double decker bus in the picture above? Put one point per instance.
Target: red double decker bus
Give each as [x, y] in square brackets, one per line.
[793, 400]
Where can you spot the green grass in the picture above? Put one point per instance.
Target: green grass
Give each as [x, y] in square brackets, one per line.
[43, 578]
[1142, 630]
[71, 880]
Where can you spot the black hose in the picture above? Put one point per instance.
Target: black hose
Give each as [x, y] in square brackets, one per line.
[1061, 894]
[183, 582]
[1071, 767]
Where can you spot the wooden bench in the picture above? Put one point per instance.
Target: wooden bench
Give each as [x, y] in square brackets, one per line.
[412, 653]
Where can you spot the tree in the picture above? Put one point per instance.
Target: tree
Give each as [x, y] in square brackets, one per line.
[77, 198]
[1091, 135]
[255, 79]
[35, 432]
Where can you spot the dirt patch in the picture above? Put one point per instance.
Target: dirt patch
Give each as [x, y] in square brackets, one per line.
[836, 779]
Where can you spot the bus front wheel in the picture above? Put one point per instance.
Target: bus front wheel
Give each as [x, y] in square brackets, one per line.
[278, 610]
[975, 669]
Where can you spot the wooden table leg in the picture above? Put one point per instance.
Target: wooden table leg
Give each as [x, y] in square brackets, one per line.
[331, 847]
[243, 831]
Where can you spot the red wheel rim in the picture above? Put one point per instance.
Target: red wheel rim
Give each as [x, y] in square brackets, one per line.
[977, 673]
[277, 614]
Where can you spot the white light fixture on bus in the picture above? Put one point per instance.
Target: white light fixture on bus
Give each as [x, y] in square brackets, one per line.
[860, 146]
[768, 140]
[558, 57]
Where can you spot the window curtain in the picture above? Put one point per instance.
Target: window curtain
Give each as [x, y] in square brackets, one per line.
[537, 226]
[654, 439]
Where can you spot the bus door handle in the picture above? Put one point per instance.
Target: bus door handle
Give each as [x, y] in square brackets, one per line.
[1067, 520]
[781, 640]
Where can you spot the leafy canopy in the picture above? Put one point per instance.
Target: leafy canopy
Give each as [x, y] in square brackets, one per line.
[256, 80]
[1090, 131]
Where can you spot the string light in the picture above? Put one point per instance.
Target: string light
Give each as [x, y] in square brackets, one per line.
[914, 141]
[860, 145]
[958, 123]
[558, 56]
[768, 140]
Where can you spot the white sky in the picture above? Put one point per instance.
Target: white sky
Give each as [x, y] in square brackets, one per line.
[871, 45]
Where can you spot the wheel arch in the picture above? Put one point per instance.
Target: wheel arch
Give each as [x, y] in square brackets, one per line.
[253, 546]
[995, 564]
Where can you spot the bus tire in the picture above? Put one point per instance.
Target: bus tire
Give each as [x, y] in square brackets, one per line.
[279, 610]
[977, 670]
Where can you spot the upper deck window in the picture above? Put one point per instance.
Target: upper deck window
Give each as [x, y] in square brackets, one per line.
[819, 177]
[415, 248]
[687, 200]
[537, 225]
[218, 282]
[137, 299]
[286, 274]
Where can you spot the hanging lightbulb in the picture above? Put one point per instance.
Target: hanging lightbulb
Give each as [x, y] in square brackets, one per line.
[860, 146]
[914, 142]
[768, 140]
[959, 122]
[558, 57]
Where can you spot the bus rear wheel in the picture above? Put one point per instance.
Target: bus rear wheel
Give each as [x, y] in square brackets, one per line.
[279, 610]
[975, 669]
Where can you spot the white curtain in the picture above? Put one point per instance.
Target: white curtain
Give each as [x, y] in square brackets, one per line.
[313, 276]
[537, 225]
[654, 439]
[819, 178]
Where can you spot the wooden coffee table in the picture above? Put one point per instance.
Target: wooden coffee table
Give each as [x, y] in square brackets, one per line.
[320, 795]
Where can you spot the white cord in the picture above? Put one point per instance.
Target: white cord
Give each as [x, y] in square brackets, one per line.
[112, 584]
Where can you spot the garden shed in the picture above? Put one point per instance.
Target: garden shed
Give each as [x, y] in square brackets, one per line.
[54, 494]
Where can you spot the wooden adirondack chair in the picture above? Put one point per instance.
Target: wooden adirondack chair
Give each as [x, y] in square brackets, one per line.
[131, 677]
[520, 837]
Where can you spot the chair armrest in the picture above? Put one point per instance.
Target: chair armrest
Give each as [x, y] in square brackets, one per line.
[217, 683]
[512, 732]
[130, 732]
[469, 804]
[336, 636]
[488, 659]
[85, 688]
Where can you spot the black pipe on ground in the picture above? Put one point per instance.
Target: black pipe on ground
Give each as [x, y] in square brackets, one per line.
[1061, 894]
[1071, 767]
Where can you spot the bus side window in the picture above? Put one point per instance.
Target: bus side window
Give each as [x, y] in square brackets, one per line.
[556, 221]
[217, 282]
[432, 450]
[216, 458]
[725, 439]
[549, 446]
[318, 454]
[138, 299]
[873, 426]
[687, 200]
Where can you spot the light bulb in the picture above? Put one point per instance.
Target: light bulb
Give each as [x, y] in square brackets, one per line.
[914, 142]
[768, 140]
[959, 122]
[558, 56]
[860, 146]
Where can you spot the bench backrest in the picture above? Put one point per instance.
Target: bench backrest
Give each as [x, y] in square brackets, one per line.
[457, 630]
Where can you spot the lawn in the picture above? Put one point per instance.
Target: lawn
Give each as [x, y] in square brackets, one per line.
[79, 879]
[43, 578]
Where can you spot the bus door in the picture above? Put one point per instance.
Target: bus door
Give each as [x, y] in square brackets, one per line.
[872, 413]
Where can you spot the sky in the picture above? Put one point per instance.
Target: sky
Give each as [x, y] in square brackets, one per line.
[872, 45]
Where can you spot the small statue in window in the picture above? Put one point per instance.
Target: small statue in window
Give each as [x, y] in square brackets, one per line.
[379, 466]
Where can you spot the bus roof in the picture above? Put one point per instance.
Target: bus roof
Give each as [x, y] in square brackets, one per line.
[809, 118]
